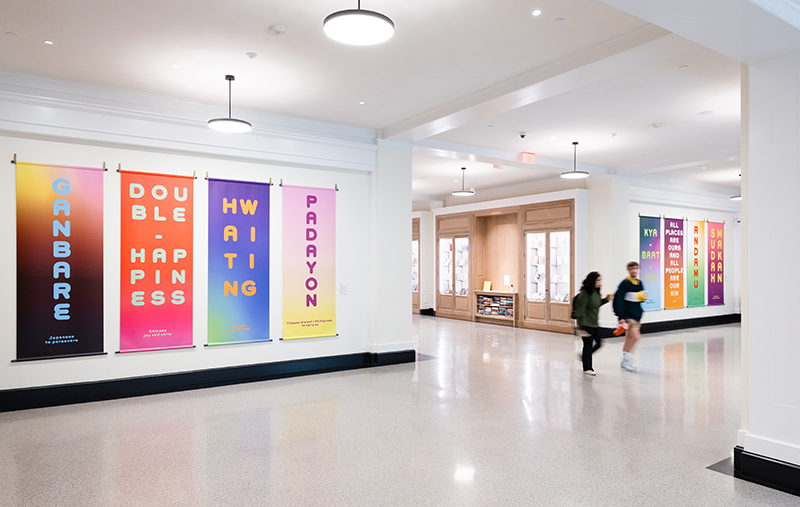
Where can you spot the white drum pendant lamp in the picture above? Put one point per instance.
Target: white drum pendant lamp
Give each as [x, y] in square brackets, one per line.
[574, 174]
[358, 27]
[463, 192]
[229, 124]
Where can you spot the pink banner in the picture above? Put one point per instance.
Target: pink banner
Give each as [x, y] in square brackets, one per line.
[156, 262]
[716, 266]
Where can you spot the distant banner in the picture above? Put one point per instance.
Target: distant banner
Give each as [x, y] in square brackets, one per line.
[650, 260]
[716, 271]
[238, 262]
[673, 264]
[309, 262]
[156, 262]
[59, 261]
[696, 290]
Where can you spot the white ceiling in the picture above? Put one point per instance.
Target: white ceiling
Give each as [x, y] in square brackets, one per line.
[452, 69]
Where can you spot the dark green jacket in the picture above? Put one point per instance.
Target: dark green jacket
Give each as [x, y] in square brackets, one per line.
[586, 308]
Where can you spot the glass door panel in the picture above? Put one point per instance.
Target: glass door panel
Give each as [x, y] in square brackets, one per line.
[559, 267]
[537, 262]
[415, 266]
[446, 266]
[462, 266]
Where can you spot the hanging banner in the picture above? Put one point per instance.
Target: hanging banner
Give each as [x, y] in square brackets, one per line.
[650, 261]
[673, 264]
[238, 262]
[59, 261]
[716, 272]
[696, 289]
[309, 262]
[156, 262]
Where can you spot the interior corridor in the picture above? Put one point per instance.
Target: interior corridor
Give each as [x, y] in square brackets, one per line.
[488, 415]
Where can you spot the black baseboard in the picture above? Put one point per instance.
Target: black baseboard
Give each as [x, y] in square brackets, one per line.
[428, 311]
[768, 472]
[673, 325]
[51, 396]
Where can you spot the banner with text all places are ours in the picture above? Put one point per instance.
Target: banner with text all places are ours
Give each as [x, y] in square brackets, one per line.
[716, 271]
[59, 261]
[650, 261]
[238, 262]
[156, 262]
[309, 262]
[673, 263]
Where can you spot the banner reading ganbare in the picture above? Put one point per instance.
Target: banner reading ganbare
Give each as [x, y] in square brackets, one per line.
[309, 262]
[156, 262]
[59, 261]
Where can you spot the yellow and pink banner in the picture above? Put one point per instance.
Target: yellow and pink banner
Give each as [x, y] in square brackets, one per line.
[156, 262]
[309, 262]
[716, 266]
[59, 261]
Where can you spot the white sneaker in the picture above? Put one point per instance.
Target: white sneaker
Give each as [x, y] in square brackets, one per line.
[627, 365]
[591, 373]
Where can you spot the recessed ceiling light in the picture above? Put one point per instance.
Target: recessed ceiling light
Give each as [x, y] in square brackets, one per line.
[10, 34]
[683, 67]
[559, 20]
[176, 66]
[277, 86]
[705, 113]
[48, 42]
[704, 167]
[361, 103]
[537, 12]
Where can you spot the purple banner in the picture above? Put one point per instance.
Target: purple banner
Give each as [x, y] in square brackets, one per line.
[716, 271]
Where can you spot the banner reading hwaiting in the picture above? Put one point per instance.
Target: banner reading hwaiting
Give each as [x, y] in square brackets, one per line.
[696, 290]
[673, 264]
[238, 262]
[59, 261]
[650, 260]
[716, 272]
[156, 262]
[309, 262]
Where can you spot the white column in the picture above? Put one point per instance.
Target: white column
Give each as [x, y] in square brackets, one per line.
[390, 240]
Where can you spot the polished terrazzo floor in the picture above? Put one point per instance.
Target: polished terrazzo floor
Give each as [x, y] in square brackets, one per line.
[488, 416]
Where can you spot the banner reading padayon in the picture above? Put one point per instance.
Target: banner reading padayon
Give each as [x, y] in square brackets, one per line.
[650, 260]
[716, 271]
[309, 262]
[59, 261]
[673, 263]
[696, 290]
[156, 262]
[238, 262]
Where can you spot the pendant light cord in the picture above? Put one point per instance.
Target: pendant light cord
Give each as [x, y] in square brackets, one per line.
[229, 98]
[575, 157]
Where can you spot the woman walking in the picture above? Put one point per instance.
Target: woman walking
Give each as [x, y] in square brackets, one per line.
[587, 304]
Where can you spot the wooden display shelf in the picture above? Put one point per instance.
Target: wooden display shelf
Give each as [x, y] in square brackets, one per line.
[496, 297]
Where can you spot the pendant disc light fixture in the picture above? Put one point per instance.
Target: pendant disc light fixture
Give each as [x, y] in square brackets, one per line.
[575, 174]
[463, 192]
[229, 124]
[358, 27]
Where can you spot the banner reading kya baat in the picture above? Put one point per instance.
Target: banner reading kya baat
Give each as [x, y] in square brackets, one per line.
[156, 276]
[59, 261]
[309, 262]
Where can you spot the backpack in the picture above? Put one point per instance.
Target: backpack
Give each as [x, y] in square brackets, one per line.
[572, 314]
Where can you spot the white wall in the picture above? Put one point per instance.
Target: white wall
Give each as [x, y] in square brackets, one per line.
[427, 258]
[772, 425]
[60, 123]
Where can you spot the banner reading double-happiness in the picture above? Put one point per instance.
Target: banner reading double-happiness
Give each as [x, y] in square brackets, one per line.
[673, 264]
[696, 290]
[716, 271]
[59, 261]
[238, 262]
[309, 262]
[156, 262]
[650, 260]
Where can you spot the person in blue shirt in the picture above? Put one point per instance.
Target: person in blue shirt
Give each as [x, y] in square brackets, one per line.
[628, 308]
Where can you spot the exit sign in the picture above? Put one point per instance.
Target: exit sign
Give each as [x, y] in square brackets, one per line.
[527, 157]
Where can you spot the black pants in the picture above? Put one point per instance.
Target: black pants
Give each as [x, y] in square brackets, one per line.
[588, 349]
